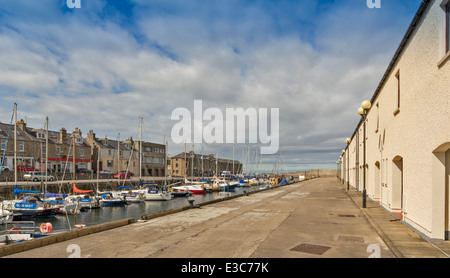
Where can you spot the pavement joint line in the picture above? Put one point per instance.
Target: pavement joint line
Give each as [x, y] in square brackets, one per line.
[377, 229]
[442, 251]
[384, 236]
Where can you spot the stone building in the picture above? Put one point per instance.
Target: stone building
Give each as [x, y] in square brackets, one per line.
[153, 158]
[198, 165]
[31, 148]
[26, 147]
[117, 155]
[407, 157]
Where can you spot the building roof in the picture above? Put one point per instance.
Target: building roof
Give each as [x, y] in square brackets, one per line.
[113, 144]
[200, 156]
[21, 135]
[406, 38]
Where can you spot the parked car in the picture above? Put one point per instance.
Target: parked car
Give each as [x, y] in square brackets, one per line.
[105, 172]
[37, 176]
[84, 171]
[6, 168]
[26, 168]
[122, 175]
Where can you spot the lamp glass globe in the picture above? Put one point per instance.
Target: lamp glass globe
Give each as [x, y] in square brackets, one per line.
[366, 104]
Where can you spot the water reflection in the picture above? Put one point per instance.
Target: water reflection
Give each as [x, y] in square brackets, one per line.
[135, 210]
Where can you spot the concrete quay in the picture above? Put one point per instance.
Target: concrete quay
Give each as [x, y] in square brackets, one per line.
[316, 218]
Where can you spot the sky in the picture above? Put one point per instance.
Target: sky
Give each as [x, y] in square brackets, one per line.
[103, 65]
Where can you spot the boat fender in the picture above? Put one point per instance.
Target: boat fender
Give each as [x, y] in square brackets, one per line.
[46, 227]
[14, 229]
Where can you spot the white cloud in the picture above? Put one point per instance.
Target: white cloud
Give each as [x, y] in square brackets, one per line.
[83, 70]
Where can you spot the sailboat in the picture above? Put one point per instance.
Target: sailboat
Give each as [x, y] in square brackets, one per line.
[4, 213]
[32, 205]
[55, 199]
[80, 197]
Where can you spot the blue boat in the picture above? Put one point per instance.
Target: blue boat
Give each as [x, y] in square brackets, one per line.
[107, 199]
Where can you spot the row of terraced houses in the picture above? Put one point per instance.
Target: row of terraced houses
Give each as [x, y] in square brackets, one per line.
[88, 153]
[407, 129]
[71, 151]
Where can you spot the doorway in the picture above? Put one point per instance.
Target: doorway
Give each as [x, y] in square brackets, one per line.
[447, 195]
[376, 182]
[397, 202]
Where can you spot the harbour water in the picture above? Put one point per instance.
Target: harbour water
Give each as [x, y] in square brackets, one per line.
[90, 217]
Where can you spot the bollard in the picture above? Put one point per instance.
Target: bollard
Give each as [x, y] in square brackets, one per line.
[191, 203]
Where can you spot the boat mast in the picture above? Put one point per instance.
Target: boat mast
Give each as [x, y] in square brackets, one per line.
[15, 144]
[140, 149]
[233, 160]
[46, 154]
[165, 161]
[98, 164]
[192, 162]
[118, 158]
[73, 157]
[201, 155]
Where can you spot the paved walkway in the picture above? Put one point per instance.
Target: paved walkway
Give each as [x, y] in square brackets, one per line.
[312, 219]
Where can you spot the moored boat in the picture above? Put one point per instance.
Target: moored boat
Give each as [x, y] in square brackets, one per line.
[192, 188]
[108, 199]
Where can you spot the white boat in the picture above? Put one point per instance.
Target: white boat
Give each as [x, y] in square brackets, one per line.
[157, 195]
[82, 201]
[30, 206]
[5, 215]
[192, 188]
[133, 197]
[65, 205]
[18, 231]
[112, 199]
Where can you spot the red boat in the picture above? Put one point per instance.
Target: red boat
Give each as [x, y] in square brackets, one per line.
[192, 188]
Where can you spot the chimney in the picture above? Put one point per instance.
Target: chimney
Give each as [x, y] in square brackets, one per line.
[129, 141]
[62, 135]
[77, 131]
[91, 136]
[21, 124]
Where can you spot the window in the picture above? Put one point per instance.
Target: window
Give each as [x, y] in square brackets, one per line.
[21, 147]
[79, 140]
[149, 160]
[70, 152]
[81, 152]
[3, 145]
[378, 117]
[109, 164]
[58, 150]
[397, 76]
[44, 149]
[156, 150]
[156, 160]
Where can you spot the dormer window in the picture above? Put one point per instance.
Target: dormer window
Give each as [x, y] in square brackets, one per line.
[40, 135]
[79, 140]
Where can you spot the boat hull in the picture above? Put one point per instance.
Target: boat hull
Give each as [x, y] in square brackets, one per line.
[161, 196]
